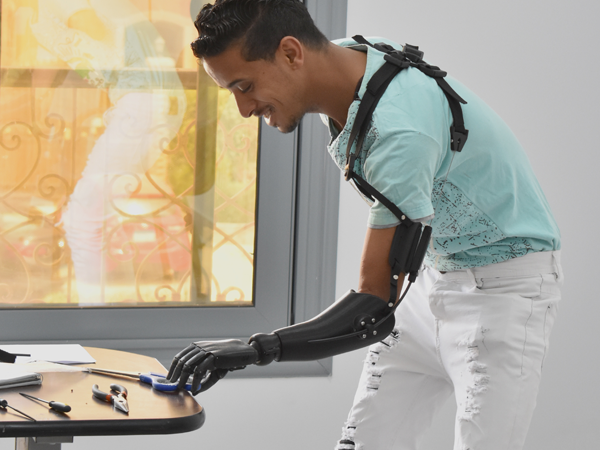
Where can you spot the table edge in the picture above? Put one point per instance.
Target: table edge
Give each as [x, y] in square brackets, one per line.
[91, 427]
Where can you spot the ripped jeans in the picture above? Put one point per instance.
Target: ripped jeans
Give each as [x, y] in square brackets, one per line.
[481, 334]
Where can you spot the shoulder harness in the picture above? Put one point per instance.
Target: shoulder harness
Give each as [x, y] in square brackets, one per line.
[411, 238]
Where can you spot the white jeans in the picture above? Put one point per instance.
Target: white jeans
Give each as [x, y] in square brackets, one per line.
[481, 333]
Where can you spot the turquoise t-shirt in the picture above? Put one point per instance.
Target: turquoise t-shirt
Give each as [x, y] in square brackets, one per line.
[484, 204]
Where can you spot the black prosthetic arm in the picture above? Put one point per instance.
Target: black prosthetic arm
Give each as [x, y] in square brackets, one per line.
[355, 321]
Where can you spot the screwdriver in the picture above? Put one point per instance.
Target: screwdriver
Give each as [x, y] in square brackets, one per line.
[56, 406]
[4, 404]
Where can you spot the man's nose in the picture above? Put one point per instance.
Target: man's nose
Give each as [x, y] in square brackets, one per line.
[245, 105]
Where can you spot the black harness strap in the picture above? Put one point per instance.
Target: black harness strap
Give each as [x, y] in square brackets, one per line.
[403, 258]
[369, 191]
[458, 132]
[375, 89]
[413, 57]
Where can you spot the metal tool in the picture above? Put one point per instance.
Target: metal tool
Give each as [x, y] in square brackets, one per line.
[157, 381]
[56, 406]
[4, 404]
[118, 401]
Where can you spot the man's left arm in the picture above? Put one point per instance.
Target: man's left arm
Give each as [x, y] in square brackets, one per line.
[357, 320]
[375, 270]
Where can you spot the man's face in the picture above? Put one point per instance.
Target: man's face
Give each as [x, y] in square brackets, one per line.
[261, 88]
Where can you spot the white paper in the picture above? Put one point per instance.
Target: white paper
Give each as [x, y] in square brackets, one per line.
[58, 353]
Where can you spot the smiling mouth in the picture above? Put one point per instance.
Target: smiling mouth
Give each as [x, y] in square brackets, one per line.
[267, 115]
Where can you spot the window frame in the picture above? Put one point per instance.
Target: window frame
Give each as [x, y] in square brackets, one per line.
[295, 258]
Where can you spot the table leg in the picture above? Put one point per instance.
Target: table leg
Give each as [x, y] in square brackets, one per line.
[42, 443]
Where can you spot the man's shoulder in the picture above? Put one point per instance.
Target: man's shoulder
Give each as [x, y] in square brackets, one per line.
[349, 42]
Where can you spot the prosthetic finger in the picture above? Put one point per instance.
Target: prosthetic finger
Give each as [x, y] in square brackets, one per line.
[200, 371]
[230, 354]
[210, 381]
[176, 359]
[177, 373]
[189, 366]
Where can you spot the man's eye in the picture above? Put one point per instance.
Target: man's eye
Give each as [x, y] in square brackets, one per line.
[246, 89]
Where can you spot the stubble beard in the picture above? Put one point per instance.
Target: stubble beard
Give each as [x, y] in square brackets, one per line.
[295, 120]
[291, 126]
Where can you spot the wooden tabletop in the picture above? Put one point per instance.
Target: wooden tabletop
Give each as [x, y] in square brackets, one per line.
[150, 411]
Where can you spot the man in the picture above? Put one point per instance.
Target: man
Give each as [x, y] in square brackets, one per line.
[477, 320]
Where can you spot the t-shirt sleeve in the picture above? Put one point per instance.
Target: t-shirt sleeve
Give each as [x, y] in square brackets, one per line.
[402, 166]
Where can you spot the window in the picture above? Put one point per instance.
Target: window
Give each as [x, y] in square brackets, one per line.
[138, 210]
[125, 174]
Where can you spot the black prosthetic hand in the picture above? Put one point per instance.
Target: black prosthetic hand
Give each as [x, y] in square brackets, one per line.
[209, 361]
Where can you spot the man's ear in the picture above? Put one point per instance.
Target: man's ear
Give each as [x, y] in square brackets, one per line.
[293, 51]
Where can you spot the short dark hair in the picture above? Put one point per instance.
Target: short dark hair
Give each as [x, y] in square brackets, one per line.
[258, 25]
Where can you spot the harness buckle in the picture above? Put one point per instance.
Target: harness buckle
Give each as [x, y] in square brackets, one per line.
[458, 139]
[413, 53]
[384, 48]
[397, 59]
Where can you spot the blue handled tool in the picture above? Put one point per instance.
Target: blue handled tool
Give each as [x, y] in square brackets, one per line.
[157, 381]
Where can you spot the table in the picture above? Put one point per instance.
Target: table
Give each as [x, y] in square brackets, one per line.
[150, 411]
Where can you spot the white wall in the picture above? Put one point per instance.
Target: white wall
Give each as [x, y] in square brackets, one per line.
[536, 63]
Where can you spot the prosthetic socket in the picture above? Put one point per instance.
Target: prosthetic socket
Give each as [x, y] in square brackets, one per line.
[355, 321]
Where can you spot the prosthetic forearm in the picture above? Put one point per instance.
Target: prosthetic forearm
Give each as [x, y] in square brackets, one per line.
[355, 321]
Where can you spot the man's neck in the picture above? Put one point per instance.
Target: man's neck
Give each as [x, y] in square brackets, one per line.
[336, 73]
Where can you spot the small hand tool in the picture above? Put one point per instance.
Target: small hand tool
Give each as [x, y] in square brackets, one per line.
[158, 382]
[4, 404]
[118, 401]
[56, 406]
